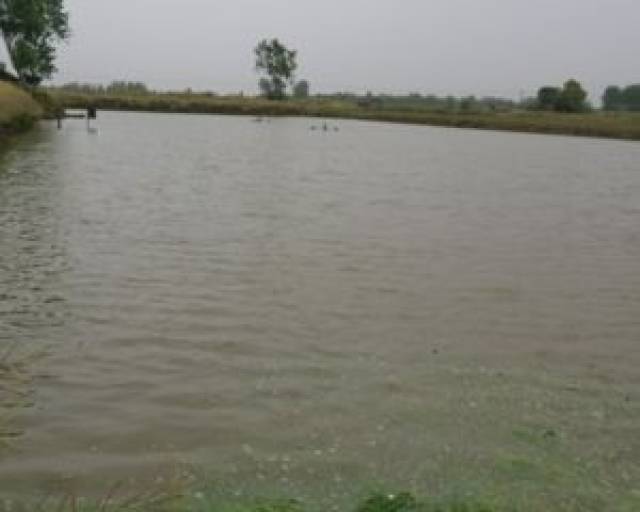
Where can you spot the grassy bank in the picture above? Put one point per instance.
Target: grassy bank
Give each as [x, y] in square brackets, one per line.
[378, 502]
[18, 109]
[597, 124]
[162, 502]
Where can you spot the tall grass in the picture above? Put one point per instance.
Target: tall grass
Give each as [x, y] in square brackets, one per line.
[18, 109]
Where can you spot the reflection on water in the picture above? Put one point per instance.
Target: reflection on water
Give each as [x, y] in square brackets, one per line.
[283, 308]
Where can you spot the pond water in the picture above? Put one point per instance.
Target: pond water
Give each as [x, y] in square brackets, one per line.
[274, 309]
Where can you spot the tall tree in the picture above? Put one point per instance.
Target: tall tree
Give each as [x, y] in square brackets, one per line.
[279, 64]
[266, 88]
[612, 98]
[631, 97]
[31, 29]
[548, 97]
[573, 98]
[301, 89]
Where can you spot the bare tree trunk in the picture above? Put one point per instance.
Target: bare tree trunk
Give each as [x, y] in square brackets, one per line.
[7, 40]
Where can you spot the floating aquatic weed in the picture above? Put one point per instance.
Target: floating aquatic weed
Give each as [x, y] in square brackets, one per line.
[16, 388]
[403, 502]
[165, 493]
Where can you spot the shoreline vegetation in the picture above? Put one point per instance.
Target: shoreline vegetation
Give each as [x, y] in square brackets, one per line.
[171, 501]
[18, 110]
[615, 125]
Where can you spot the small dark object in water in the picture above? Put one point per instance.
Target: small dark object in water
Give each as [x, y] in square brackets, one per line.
[324, 127]
[92, 112]
[435, 351]
[550, 434]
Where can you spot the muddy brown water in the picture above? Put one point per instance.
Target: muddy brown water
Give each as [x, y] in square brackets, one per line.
[265, 306]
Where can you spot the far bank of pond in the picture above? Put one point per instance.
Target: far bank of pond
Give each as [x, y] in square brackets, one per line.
[597, 124]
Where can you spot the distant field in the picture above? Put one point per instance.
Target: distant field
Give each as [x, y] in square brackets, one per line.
[17, 108]
[597, 124]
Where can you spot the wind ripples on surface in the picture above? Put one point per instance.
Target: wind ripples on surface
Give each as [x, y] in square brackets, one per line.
[384, 302]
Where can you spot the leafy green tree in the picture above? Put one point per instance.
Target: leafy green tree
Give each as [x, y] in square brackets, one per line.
[30, 29]
[279, 64]
[548, 97]
[265, 87]
[573, 98]
[612, 98]
[301, 89]
[615, 98]
[631, 97]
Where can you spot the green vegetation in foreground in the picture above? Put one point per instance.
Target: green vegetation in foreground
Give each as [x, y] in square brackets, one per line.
[162, 502]
[18, 109]
[594, 124]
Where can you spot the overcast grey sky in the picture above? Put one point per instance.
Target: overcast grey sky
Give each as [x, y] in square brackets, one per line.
[482, 47]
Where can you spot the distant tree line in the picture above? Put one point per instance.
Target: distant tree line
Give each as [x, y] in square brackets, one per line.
[122, 87]
[616, 98]
[429, 102]
[302, 90]
[115, 87]
[571, 98]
